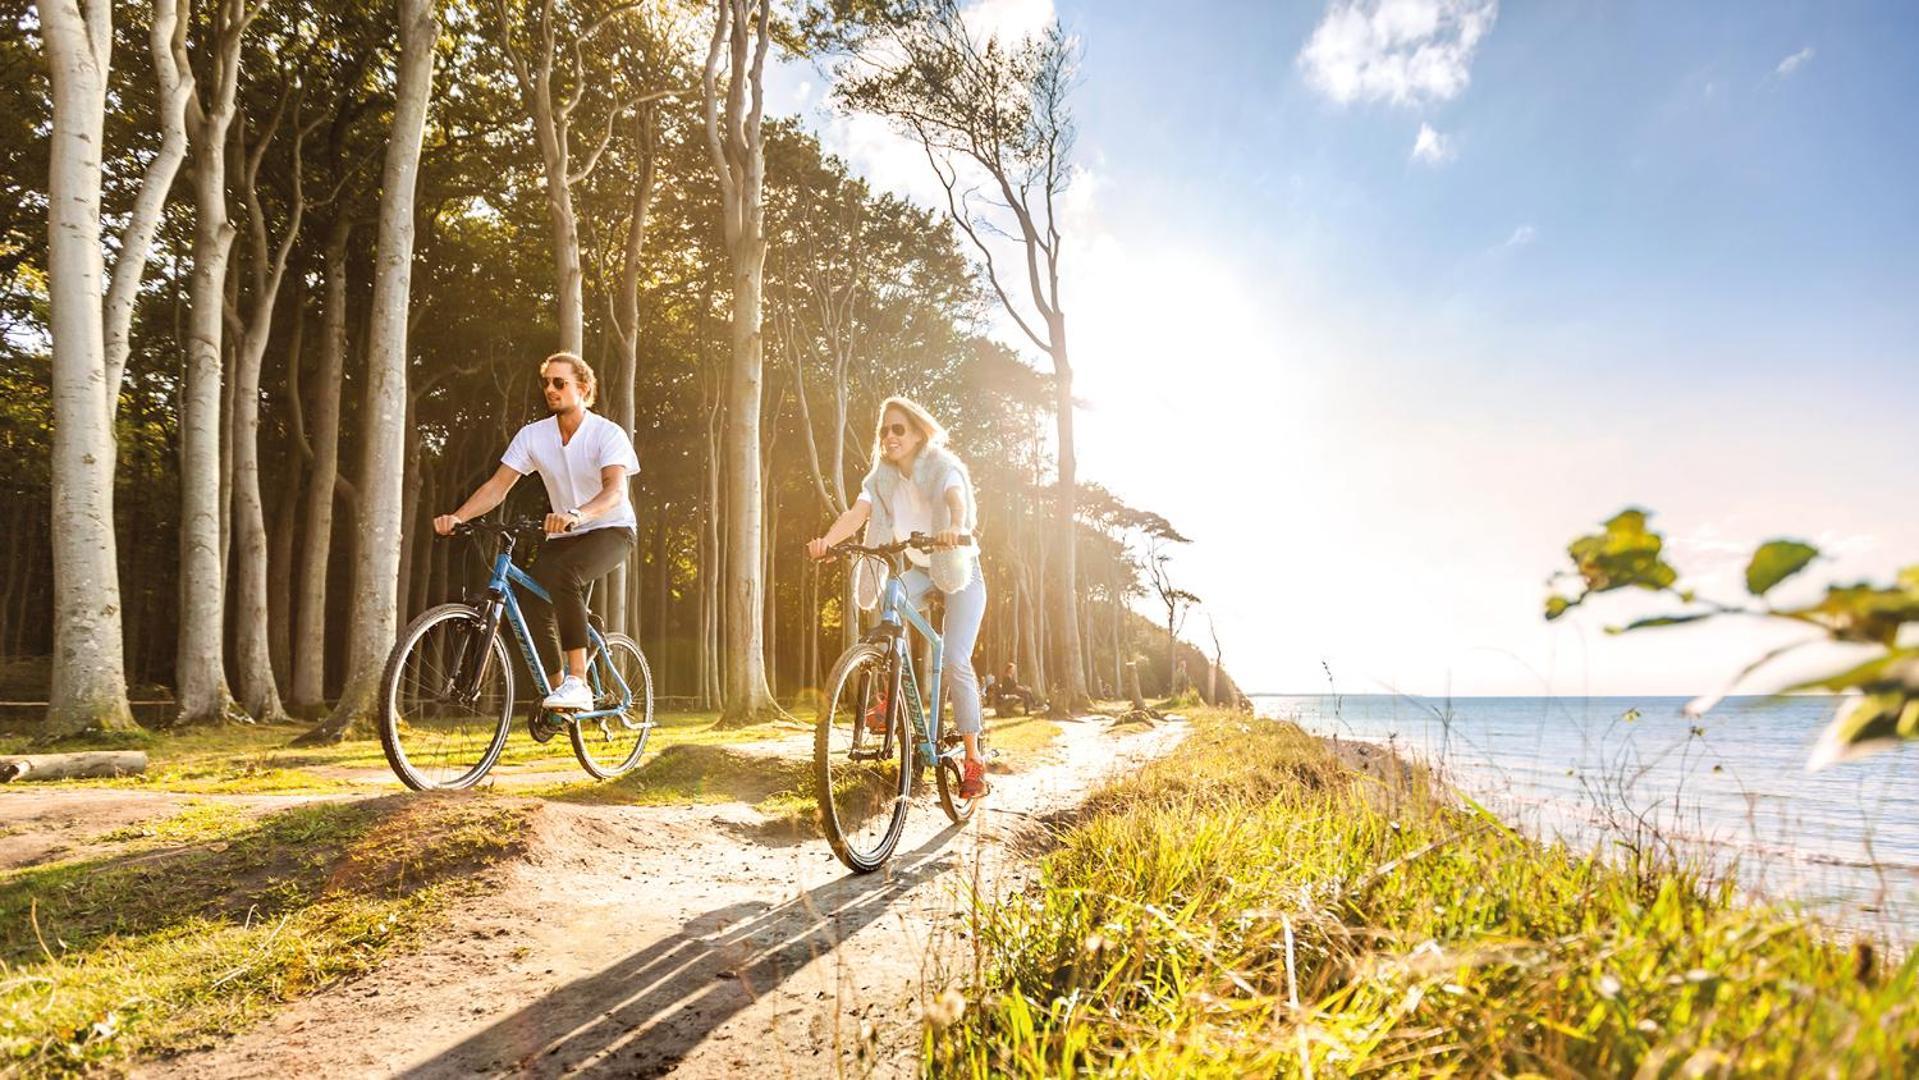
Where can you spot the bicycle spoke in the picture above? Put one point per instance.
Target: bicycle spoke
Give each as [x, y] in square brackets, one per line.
[613, 744]
[863, 774]
[433, 740]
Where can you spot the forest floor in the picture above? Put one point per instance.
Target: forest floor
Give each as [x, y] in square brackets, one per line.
[249, 909]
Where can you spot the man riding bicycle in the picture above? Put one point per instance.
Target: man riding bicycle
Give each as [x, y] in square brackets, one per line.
[584, 460]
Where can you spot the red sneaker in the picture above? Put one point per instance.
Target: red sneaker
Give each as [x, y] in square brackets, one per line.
[876, 716]
[973, 780]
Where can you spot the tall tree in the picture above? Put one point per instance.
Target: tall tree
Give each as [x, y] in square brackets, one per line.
[375, 613]
[998, 112]
[200, 669]
[89, 680]
[252, 326]
[309, 631]
[742, 36]
[551, 98]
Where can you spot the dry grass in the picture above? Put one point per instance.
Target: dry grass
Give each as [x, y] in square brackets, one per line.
[1251, 905]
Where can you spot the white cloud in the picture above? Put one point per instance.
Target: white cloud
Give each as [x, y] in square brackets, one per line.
[1432, 147]
[1007, 20]
[1404, 51]
[1523, 235]
[1794, 62]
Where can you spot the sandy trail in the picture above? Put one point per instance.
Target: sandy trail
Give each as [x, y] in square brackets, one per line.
[648, 941]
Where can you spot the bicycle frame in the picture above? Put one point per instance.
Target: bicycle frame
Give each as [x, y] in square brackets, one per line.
[898, 613]
[500, 585]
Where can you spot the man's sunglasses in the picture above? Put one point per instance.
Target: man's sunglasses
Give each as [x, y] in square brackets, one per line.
[556, 383]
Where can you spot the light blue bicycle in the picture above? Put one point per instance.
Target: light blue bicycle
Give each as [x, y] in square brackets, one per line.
[875, 735]
[446, 699]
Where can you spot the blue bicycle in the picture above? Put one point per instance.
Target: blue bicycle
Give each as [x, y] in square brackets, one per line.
[875, 735]
[446, 699]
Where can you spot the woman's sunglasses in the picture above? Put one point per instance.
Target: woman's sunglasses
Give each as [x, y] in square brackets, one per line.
[894, 429]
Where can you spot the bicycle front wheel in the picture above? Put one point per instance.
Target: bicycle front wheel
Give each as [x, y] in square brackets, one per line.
[608, 746]
[862, 759]
[446, 700]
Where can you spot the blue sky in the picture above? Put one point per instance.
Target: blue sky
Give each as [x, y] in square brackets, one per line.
[1657, 254]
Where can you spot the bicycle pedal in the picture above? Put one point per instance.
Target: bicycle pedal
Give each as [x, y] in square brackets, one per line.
[543, 729]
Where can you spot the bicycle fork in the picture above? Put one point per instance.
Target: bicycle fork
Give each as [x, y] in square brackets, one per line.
[469, 676]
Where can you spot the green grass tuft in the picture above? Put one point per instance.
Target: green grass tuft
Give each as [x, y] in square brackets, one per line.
[1178, 921]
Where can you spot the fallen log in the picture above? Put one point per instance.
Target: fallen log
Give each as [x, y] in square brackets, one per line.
[73, 766]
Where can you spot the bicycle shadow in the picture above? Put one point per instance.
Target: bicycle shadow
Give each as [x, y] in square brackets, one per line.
[704, 974]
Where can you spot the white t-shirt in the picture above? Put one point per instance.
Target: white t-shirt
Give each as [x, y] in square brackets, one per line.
[571, 471]
[912, 513]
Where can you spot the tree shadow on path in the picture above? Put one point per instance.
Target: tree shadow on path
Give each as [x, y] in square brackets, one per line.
[642, 1015]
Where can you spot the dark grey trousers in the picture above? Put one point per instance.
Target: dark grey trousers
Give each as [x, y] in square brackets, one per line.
[565, 568]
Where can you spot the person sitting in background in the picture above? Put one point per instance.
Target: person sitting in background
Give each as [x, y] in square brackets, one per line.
[1006, 690]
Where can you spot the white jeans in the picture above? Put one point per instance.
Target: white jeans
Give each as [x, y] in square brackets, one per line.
[965, 610]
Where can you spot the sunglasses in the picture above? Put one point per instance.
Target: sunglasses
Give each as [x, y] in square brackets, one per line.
[557, 384]
[894, 429]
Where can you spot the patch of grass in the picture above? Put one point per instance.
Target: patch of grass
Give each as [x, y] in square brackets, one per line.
[242, 759]
[1175, 925]
[692, 773]
[1024, 735]
[155, 951]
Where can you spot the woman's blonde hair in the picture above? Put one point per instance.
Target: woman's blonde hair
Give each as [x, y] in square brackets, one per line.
[932, 430]
[582, 371]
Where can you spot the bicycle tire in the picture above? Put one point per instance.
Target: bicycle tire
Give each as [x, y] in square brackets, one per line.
[842, 797]
[948, 770]
[642, 703]
[391, 716]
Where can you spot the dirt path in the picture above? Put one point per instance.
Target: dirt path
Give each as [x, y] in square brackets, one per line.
[647, 941]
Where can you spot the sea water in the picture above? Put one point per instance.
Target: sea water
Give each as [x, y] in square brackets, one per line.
[1730, 788]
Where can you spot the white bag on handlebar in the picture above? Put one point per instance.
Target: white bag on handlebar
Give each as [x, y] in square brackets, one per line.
[869, 582]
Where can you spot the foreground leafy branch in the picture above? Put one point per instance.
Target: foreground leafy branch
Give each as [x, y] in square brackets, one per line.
[1881, 708]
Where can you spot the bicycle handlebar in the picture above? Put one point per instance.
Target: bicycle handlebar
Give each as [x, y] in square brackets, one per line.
[500, 528]
[915, 542]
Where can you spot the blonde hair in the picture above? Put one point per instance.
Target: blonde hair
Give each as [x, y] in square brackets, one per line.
[930, 429]
[589, 382]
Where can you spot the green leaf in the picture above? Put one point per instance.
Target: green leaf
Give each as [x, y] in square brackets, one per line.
[1625, 554]
[1775, 561]
[1898, 669]
[1557, 606]
[1863, 613]
[1658, 620]
[1866, 725]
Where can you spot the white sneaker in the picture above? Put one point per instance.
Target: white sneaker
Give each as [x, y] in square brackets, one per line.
[572, 693]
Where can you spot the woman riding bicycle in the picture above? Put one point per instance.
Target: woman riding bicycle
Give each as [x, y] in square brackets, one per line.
[917, 485]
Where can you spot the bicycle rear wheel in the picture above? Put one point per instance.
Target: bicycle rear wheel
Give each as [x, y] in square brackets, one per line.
[608, 746]
[951, 762]
[863, 777]
[436, 736]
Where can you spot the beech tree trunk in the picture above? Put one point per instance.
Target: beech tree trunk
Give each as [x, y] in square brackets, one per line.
[1068, 663]
[89, 673]
[623, 609]
[199, 670]
[374, 622]
[742, 34]
[309, 635]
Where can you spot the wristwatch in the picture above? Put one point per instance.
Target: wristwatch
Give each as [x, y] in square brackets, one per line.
[576, 515]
